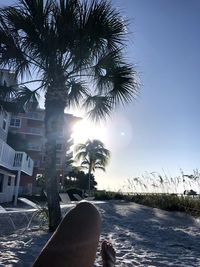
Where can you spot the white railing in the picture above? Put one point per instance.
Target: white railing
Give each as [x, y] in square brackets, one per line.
[36, 131]
[24, 162]
[7, 155]
[35, 116]
[14, 160]
[34, 147]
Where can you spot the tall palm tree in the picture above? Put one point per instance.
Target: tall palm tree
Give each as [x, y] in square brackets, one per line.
[92, 155]
[73, 51]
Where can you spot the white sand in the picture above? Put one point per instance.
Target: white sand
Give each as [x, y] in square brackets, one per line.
[141, 236]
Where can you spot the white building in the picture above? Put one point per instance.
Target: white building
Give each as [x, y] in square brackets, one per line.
[12, 163]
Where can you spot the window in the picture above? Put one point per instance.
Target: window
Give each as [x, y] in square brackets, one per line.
[58, 146]
[1, 182]
[15, 122]
[36, 163]
[9, 180]
[58, 161]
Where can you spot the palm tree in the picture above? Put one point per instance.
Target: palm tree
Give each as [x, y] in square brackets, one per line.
[73, 51]
[92, 155]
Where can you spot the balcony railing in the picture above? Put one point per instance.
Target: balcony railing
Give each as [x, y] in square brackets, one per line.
[7, 155]
[35, 116]
[24, 162]
[34, 147]
[15, 160]
[34, 131]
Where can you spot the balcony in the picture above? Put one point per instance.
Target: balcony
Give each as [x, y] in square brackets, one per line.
[34, 147]
[15, 160]
[35, 116]
[34, 131]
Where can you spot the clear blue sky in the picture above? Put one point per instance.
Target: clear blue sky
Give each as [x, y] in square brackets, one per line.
[162, 128]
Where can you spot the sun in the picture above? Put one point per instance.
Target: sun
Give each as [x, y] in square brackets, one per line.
[84, 130]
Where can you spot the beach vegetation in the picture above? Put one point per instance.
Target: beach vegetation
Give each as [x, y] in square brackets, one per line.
[161, 191]
[169, 202]
[109, 195]
[79, 179]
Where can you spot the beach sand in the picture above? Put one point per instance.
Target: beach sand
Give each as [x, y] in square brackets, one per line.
[142, 236]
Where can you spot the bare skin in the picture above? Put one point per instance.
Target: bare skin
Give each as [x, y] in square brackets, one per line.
[75, 241]
[108, 254]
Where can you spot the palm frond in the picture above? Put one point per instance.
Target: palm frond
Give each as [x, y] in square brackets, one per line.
[80, 156]
[100, 168]
[125, 86]
[79, 147]
[7, 93]
[10, 52]
[104, 24]
[98, 107]
[67, 24]
[8, 97]
[77, 91]
[85, 164]
[102, 68]
[27, 98]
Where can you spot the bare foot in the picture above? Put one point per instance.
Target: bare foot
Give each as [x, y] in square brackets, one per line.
[108, 254]
[75, 241]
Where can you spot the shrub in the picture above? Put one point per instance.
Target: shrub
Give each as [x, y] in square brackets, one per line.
[108, 195]
[170, 202]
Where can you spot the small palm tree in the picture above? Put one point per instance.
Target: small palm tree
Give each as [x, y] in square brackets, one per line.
[92, 155]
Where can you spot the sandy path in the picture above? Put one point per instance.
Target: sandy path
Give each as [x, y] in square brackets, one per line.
[142, 237]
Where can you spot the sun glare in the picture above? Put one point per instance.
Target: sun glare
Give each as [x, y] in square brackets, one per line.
[84, 130]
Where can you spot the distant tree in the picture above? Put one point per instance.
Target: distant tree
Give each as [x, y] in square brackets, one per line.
[92, 155]
[79, 179]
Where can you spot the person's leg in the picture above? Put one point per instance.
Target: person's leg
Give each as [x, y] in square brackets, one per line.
[75, 241]
[108, 254]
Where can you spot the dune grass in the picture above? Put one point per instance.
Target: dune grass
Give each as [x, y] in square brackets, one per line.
[169, 202]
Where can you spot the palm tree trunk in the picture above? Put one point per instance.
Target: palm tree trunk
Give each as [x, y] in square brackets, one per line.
[89, 177]
[54, 120]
